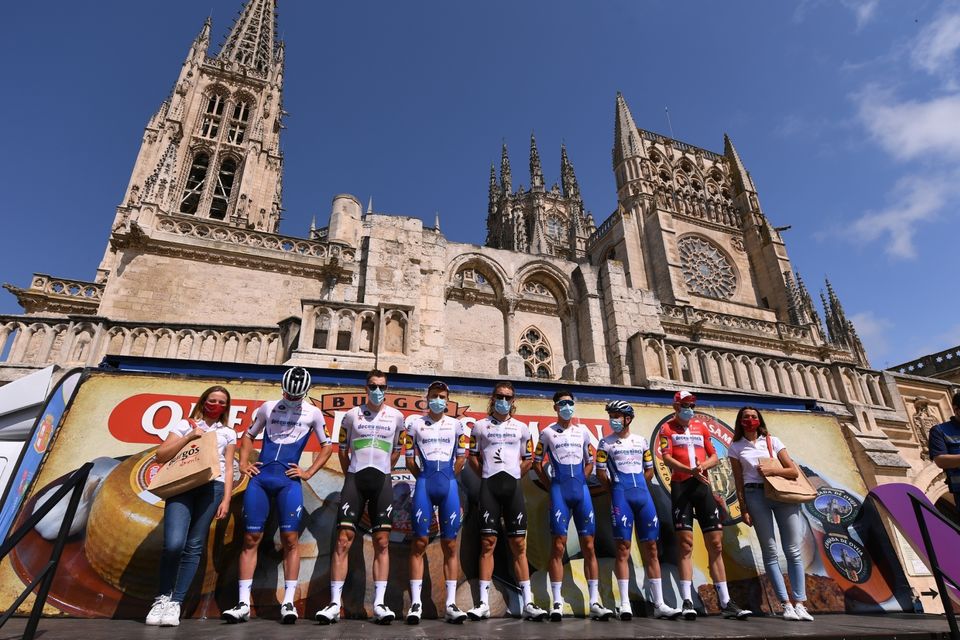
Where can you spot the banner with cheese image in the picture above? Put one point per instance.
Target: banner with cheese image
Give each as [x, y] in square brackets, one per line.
[109, 568]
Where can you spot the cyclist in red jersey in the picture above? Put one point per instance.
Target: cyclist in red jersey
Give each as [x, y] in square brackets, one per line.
[688, 452]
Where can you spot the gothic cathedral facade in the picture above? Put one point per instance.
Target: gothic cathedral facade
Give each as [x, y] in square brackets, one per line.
[687, 283]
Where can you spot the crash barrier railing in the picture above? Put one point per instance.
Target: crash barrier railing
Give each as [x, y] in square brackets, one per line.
[45, 577]
[938, 575]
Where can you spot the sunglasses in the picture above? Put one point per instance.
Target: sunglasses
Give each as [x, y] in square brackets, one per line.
[687, 406]
[374, 387]
[502, 396]
[565, 403]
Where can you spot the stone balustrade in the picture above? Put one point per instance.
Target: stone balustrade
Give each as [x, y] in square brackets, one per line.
[931, 365]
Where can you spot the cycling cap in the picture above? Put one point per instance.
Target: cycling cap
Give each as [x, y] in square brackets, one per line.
[684, 397]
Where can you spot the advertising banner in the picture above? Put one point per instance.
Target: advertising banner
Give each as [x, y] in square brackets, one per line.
[109, 567]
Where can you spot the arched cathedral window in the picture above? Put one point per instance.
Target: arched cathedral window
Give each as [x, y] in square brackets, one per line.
[554, 227]
[196, 180]
[536, 354]
[210, 125]
[238, 122]
[706, 270]
[223, 188]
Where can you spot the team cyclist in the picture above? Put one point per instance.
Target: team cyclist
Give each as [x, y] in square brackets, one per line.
[501, 452]
[687, 450]
[369, 449]
[571, 460]
[624, 465]
[275, 477]
[435, 445]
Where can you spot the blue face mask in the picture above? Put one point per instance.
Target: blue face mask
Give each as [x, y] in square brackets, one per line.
[437, 405]
[375, 397]
[616, 424]
[566, 412]
[502, 407]
[686, 414]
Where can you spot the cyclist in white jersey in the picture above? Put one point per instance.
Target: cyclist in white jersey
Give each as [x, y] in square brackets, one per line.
[501, 451]
[275, 478]
[571, 454]
[369, 448]
[435, 444]
[624, 466]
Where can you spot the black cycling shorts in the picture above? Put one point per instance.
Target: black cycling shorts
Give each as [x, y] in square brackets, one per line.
[369, 489]
[502, 497]
[692, 495]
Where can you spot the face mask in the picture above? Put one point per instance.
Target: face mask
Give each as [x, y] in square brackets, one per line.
[502, 407]
[750, 424]
[616, 424]
[686, 414]
[213, 410]
[566, 412]
[375, 397]
[437, 405]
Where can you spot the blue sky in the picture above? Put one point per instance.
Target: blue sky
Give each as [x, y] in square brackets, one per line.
[846, 113]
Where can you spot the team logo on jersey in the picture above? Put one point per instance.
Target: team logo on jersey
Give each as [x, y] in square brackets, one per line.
[539, 452]
[591, 451]
[601, 456]
[529, 447]
[464, 441]
[558, 515]
[497, 458]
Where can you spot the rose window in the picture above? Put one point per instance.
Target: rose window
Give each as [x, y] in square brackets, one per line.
[706, 270]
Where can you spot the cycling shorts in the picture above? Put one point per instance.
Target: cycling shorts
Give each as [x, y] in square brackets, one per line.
[369, 489]
[631, 505]
[271, 485]
[502, 497]
[571, 496]
[693, 496]
[438, 490]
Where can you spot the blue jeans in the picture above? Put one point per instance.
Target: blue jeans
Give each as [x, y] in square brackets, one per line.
[186, 521]
[788, 517]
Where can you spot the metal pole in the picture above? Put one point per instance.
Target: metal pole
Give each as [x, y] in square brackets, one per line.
[935, 568]
[78, 480]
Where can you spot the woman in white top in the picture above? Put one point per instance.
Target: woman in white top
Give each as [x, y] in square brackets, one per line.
[751, 455]
[187, 516]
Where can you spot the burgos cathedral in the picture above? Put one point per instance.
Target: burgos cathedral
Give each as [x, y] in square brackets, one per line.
[687, 283]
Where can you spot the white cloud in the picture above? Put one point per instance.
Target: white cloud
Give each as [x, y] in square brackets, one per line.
[914, 199]
[936, 46]
[863, 10]
[874, 332]
[912, 128]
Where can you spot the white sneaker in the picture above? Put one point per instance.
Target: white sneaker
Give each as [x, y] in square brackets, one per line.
[789, 613]
[625, 612]
[382, 614]
[171, 615]
[532, 612]
[479, 612]
[288, 613]
[599, 612]
[802, 613]
[414, 613]
[663, 611]
[556, 613]
[240, 613]
[329, 614]
[156, 611]
[454, 615]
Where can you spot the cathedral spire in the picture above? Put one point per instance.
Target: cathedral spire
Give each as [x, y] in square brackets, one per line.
[626, 142]
[741, 176]
[536, 171]
[506, 180]
[568, 178]
[494, 188]
[252, 40]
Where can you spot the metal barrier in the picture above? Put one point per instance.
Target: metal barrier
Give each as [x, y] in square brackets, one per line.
[918, 507]
[45, 577]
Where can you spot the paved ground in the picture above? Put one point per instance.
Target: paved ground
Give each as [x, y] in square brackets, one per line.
[858, 627]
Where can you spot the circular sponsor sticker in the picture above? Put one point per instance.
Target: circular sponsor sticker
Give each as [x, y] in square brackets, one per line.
[721, 476]
[847, 557]
[834, 507]
[401, 520]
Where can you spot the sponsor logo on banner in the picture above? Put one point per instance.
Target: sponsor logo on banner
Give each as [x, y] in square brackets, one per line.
[834, 507]
[847, 557]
